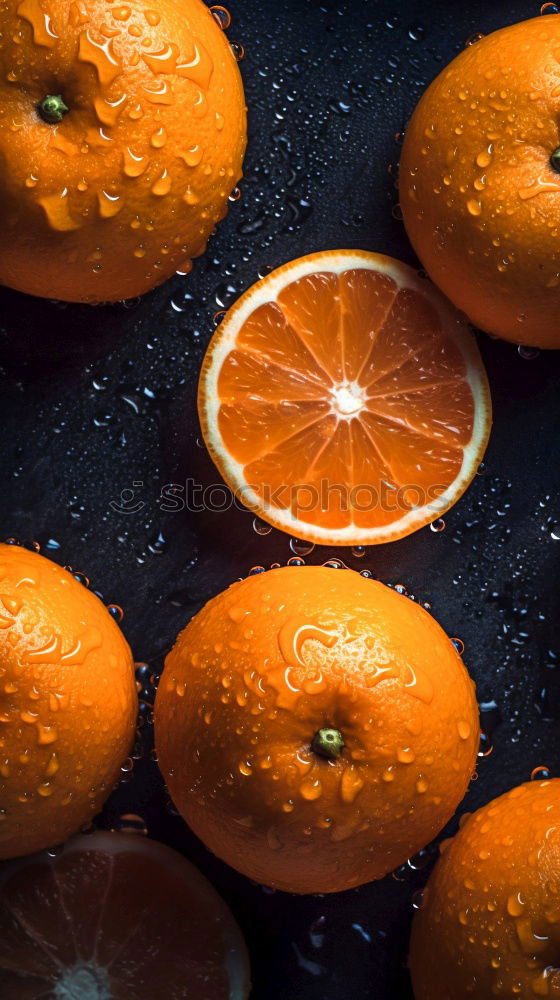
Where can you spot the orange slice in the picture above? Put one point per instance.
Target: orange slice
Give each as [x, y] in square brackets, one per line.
[344, 400]
[116, 917]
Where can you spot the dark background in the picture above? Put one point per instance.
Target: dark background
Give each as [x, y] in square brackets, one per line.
[95, 399]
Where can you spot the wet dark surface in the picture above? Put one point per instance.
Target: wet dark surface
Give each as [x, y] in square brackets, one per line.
[94, 400]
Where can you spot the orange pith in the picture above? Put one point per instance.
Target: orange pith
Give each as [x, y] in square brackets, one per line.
[126, 189]
[489, 923]
[268, 664]
[117, 916]
[343, 400]
[479, 194]
[68, 702]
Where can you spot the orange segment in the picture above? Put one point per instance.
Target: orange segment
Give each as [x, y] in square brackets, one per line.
[345, 400]
[366, 297]
[312, 306]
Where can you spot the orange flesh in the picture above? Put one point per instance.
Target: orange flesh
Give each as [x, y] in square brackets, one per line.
[118, 912]
[355, 330]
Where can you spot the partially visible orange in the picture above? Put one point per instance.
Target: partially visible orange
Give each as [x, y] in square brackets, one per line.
[344, 401]
[315, 728]
[489, 924]
[480, 182]
[116, 917]
[127, 186]
[68, 702]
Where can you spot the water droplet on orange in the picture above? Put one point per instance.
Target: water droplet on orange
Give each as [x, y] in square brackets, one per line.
[159, 138]
[109, 204]
[311, 789]
[474, 207]
[101, 56]
[43, 31]
[515, 905]
[162, 185]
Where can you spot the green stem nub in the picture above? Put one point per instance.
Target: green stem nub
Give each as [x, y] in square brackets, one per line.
[328, 743]
[52, 109]
[555, 160]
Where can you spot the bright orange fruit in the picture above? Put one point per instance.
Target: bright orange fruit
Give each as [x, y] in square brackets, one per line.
[344, 401]
[122, 134]
[315, 728]
[489, 924]
[68, 702]
[480, 182]
[116, 917]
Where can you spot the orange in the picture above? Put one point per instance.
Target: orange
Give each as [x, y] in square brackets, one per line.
[117, 917]
[489, 924]
[68, 702]
[122, 133]
[480, 183]
[344, 401]
[315, 728]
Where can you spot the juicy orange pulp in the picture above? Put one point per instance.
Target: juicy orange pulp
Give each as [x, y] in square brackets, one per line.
[346, 400]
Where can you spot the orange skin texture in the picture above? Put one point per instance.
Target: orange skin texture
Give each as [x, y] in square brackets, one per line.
[129, 186]
[68, 702]
[263, 667]
[480, 200]
[489, 924]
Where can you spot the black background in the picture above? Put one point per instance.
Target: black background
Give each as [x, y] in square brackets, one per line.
[94, 399]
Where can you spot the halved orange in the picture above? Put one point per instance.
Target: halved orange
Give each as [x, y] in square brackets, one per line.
[344, 400]
[116, 917]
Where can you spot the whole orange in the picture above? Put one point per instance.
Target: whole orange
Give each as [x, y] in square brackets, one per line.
[480, 182]
[489, 924]
[67, 702]
[122, 133]
[315, 728]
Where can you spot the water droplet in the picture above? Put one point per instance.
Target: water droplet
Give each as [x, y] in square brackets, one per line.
[221, 15]
[540, 773]
[550, 8]
[131, 823]
[464, 729]
[301, 548]
[261, 527]
[159, 138]
[528, 353]
[311, 789]
[358, 551]
[515, 904]
[459, 646]
[473, 39]
[153, 17]
[438, 525]
[416, 32]
[238, 50]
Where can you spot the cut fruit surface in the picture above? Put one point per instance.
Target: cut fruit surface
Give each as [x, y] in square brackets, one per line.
[116, 917]
[344, 400]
